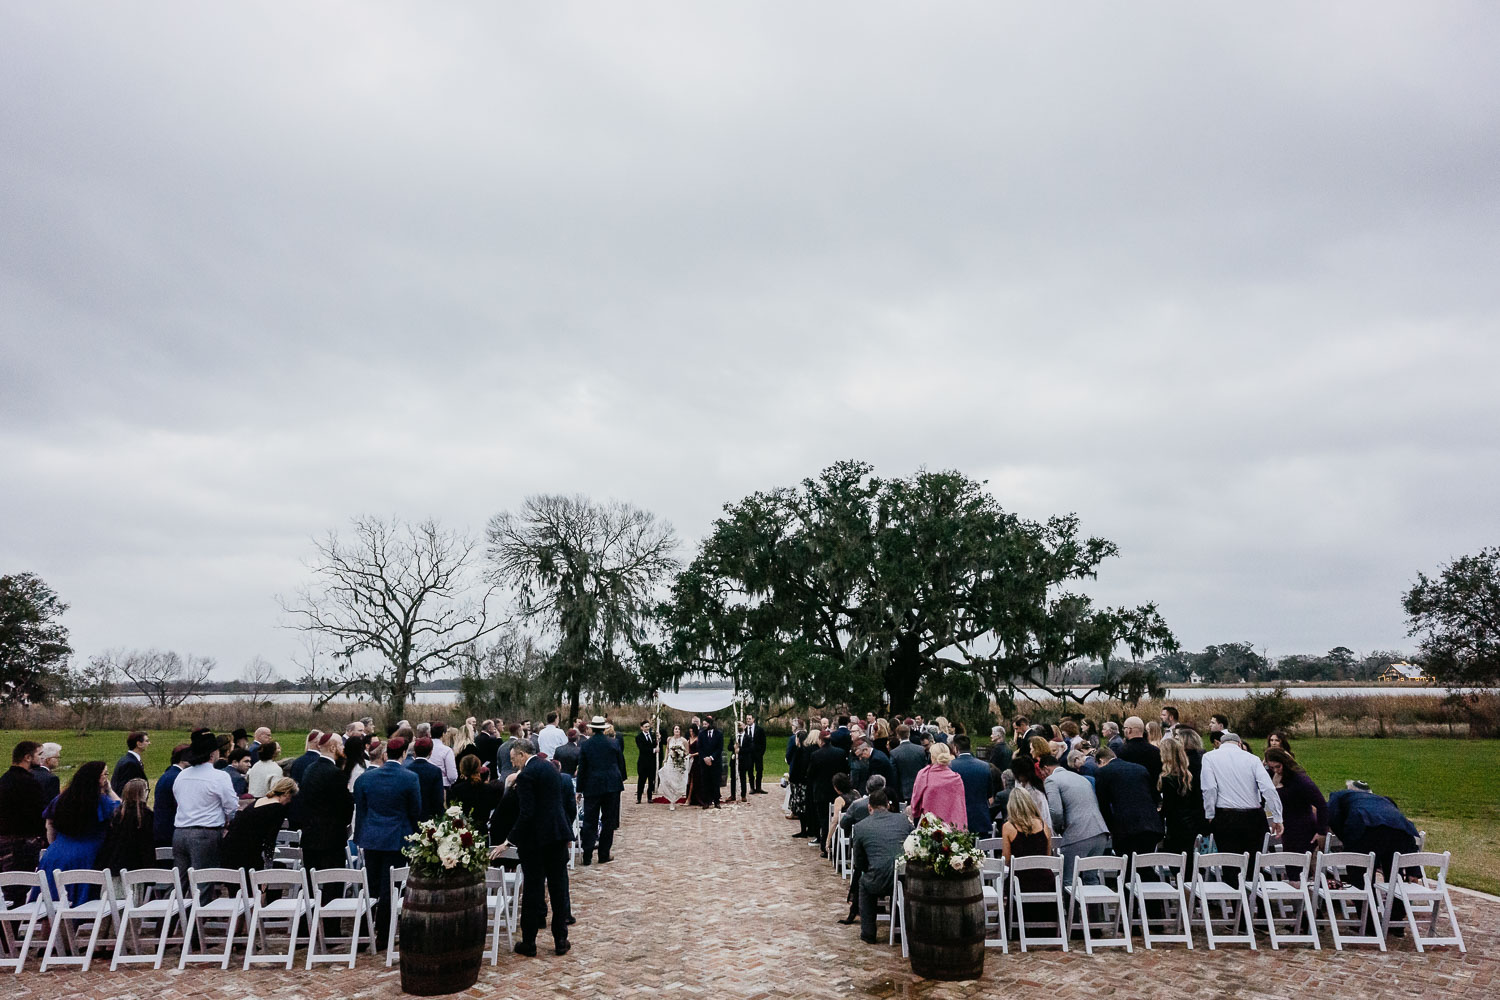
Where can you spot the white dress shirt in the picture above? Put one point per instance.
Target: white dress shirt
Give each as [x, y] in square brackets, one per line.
[549, 739]
[443, 759]
[1234, 778]
[205, 797]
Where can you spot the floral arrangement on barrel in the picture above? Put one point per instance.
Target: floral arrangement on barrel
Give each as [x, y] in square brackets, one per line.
[447, 845]
[947, 850]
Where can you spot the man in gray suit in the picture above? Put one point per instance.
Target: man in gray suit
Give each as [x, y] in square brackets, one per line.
[1076, 819]
[907, 758]
[878, 840]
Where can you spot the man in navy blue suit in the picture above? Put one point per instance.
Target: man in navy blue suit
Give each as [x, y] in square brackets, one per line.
[601, 779]
[387, 809]
[711, 750]
[976, 776]
[541, 834]
[429, 775]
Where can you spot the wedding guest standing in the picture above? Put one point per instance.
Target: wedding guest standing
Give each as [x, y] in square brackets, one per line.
[1181, 799]
[542, 831]
[130, 843]
[908, 758]
[265, 771]
[164, 813]
[647, 749]
[601, 779]
[205, 802]
[295, 769]
[387, 809]
[45, 771]
[938, 790]
[1237, 793]
[430, 777]
[23, 831]
[131, 765]
[251, 841]
[752, 757]
[77, 821]
[1304, 811]
[476, 796]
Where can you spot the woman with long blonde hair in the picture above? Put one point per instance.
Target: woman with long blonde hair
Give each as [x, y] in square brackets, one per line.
[1181, 799]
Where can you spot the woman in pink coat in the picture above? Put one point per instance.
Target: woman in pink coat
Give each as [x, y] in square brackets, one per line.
[939, 791]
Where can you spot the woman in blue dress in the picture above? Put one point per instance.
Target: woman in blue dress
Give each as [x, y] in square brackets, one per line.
[77, 821]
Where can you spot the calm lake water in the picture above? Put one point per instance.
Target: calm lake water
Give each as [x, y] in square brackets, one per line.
[444, 697]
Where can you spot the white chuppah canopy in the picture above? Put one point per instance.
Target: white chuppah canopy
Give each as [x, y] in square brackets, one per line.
[699, 699]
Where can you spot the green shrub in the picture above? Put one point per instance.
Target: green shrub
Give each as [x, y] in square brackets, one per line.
[1263, 713]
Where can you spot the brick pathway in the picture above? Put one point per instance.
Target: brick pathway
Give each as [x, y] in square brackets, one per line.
[725, 904]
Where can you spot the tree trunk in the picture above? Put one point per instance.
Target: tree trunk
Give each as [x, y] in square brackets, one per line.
[573, 706]
[398, 693]
[902, 675]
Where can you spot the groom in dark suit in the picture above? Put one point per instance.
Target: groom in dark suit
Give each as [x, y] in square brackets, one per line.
[647, 746]
[711, 750]
[752, 758]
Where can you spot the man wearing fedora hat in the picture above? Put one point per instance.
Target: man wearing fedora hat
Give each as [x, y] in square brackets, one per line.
[601, 779]
[206, 802]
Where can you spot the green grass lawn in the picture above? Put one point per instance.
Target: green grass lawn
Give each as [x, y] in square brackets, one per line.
[1447, 787]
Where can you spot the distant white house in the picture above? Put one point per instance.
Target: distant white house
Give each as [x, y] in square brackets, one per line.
[1405, 673]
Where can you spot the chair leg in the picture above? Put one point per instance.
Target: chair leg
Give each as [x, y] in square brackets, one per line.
[57, 926]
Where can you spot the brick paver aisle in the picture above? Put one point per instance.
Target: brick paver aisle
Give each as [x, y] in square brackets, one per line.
[724, 904]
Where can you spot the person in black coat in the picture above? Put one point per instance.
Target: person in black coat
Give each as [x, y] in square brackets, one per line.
[48, 758]
[567, 754]
[475, 795]
[711, 751]
[601, 779]
[429, 774]
[130, 766]
[1138, 750]
[752, 750]
[647, 749]
[1128, 799]
[825, 762]
[250, 842]
[542, 831]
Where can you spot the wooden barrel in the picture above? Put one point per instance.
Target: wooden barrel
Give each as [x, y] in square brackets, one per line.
[944, 924]
[442, 934]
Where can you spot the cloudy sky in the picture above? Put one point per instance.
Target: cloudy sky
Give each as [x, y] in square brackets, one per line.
[1219, 278]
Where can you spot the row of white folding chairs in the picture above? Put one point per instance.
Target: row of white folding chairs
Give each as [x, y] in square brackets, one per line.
[152, 901]
[1290, 889]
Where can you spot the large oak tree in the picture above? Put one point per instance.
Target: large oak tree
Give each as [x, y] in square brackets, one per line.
[852, 586]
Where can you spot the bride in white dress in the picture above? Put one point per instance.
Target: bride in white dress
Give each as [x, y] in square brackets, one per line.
[672, 780]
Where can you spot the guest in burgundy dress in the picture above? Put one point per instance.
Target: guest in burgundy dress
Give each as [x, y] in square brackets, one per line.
[1304, 810]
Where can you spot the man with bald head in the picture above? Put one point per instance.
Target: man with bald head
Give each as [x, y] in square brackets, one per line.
[261, 738]
[1138, 750]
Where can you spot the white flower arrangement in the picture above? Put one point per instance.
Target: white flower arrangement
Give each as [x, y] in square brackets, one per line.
[945, 849]
[447, 844]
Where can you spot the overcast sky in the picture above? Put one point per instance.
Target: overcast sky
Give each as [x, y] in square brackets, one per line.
[1222, 279]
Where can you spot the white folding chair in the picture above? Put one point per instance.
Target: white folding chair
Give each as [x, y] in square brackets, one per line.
[1209, 887]
[897, 916]
[287, 857]
[288, 838]
[1419, 893]
[150, 896]
[992, 881]
[1282, 889]
[501, 889]
[353, 901]
[32, 913]
[230, 905]
[1173, 921]
[68, 918]
[278, 896]
[1115, 910]
[1050, 898]
[842, 859]
[1346, 892]
[164, 854]
[993, 846]
[398, 890]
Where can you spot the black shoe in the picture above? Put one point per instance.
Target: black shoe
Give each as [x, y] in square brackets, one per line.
[605, 859]
[823, 852]
[564, 946]
[572, 920]
[527, 948]
[869, 940]
[759, 791]
[851, 919]
[588, 859]
[800, 835]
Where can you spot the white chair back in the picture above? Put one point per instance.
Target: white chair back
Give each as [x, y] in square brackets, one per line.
[1282, 888]
[31, 910]
[214, 895]
[99, 912]
[1345, 884]
[1213, 888]
[1161, 902]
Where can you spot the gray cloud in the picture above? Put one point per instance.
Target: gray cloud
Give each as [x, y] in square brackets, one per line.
[1218, 280]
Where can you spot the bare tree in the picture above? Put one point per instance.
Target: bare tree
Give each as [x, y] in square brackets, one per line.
[588, 572]
[258, 679]
[88, 689]
[165, 678]
[323, 676]
[401, 591]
